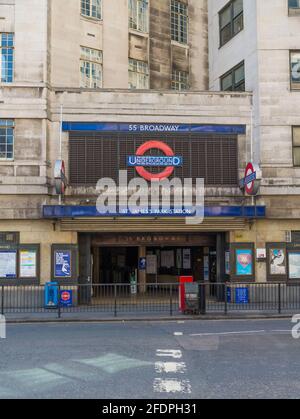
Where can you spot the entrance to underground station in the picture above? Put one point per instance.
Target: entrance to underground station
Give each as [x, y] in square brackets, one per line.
[149, 263]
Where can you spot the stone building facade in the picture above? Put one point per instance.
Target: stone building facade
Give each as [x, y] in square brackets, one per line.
[112, 64]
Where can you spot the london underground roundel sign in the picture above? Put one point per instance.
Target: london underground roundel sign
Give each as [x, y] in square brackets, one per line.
[252, 179]
[60, 177]
[141, 161]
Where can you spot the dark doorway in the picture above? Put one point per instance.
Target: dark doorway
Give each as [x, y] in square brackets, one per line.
[116, 264]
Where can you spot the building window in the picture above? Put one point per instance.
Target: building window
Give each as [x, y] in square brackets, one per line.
[234, 80]
[139, 15]
[6, 139]
[180, 80]
[295, 70]
[7, 57]
[179, 22]
[296, 146]
[294, 7]
[231, 21]
[91, 68]
[138, 74]
[91, 8]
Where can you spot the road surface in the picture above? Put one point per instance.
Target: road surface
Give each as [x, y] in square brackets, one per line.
[153, 360]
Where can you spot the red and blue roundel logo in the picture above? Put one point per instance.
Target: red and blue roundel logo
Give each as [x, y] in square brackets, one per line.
[140, 161]
[65, 295]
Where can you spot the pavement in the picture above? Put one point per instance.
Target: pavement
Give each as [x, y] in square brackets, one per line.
[156, 360]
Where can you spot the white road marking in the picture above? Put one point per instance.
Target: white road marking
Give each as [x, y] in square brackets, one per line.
[178, 334]
[170, 367]
[172, 386]
[172, 353]
[246, 332]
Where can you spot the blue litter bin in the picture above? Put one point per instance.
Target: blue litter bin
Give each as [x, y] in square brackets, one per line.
[51, 295]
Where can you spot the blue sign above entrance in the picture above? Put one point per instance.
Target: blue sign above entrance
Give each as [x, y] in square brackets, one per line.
[153, 127]
[59, 211]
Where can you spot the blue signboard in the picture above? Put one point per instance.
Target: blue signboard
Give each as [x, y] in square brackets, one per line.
[151, 161]
[228, 293]
[62, 263]
[242, 296]
[78, 211]
[153, 127]
[142, 264]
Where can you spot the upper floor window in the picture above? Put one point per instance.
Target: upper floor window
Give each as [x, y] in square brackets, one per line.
[231, 20]
[138, 74]
[234, 80]
[6, 139]
[91, 8]
[296, 146]
[180, 80]
[139, 15]
[91, 68]
[295, 70]
[294, 7]
[7, 57]
[179, 22]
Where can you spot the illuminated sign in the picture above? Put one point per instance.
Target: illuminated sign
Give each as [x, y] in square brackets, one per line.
[169, 161]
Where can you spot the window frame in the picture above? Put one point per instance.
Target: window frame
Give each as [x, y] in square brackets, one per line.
[185, 41]
[6, 127]
[86, 59]
[232, 71]
[294, 51]
[138, 73]
[180, 82]
[139, 22]
[8, 47]
[233, 18]
[293, 144]
[90, 15]
[293, 11]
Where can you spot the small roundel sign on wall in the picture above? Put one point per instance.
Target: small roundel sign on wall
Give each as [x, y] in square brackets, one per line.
[251, 182]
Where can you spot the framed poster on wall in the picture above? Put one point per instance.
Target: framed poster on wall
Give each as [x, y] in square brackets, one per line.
[28, 263]
[242, 261]
[8, 264]
[62, 263]
[277, 262]
[294, 265]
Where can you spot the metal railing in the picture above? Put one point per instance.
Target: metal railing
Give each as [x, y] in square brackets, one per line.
[122, 299]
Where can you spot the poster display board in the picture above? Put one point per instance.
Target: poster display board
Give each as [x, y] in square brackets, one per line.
[186, 255]
[152, 264]
[294, 265]
[277, 261]
[244, 262]
[62, 263]
[8, 264]
[28, 263]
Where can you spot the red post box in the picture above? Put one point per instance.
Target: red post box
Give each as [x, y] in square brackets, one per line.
[183, 280]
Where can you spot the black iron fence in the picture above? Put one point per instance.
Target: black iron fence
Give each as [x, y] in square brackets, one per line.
[167, 299]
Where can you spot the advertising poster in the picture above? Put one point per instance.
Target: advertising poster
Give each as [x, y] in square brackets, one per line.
[28, 264]
[294, 265]
[178, 258]
[8, 264]
[186, 253]
[244, 262]
[62, 263]
[277, 262]
[152, 264]
[227, 263]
